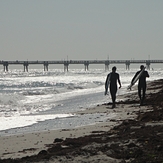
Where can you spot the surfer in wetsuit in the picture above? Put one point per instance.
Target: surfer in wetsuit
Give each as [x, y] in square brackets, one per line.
[142, 83]
[114, 77]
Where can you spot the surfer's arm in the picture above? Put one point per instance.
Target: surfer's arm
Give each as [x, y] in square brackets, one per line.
[133, 78]
[119, 83]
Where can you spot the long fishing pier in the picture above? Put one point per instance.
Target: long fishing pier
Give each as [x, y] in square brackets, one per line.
[86, 63]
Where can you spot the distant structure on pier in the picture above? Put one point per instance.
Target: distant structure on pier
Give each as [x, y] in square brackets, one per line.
[86, 63]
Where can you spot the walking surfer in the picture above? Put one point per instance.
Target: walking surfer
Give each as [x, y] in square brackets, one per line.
[142, 83]
[113, 77]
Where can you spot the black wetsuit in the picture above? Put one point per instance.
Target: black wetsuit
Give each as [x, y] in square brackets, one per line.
[142, 84]
[113, 85]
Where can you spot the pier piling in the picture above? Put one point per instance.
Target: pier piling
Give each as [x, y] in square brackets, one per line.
[107, 65]
[46, 64]
[26, 66]
[5, 66]
[86, 64]
[66, 64]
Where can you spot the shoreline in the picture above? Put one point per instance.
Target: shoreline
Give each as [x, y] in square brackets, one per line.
[19, 146]
[52, 124]
[59, 122]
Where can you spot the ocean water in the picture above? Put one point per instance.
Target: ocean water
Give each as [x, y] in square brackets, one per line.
[37, 100]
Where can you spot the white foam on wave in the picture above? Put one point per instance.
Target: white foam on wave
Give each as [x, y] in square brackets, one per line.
[22, 121]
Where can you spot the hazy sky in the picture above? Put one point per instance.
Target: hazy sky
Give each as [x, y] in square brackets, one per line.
[81, 29]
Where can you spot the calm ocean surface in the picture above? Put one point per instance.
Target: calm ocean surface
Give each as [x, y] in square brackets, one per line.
[37, 100]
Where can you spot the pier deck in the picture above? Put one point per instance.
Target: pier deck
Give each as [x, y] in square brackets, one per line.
[86, 63]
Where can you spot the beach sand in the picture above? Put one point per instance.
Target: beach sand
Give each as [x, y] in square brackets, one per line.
[125, 137]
